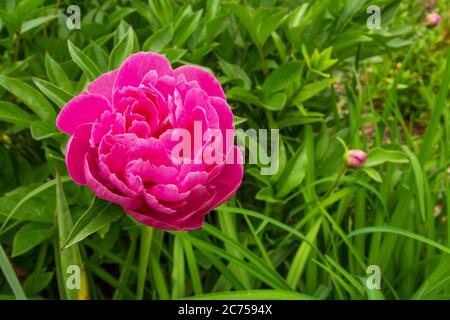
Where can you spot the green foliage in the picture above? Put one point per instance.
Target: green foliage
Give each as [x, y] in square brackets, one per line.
[312, 70]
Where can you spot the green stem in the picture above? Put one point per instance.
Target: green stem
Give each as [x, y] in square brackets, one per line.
[146, 241]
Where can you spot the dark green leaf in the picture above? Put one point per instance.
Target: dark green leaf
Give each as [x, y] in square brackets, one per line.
[30, 236]
[30, 97]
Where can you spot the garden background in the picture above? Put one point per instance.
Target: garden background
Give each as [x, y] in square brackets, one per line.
[321, 72]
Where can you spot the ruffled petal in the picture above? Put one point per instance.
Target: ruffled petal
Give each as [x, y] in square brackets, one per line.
[84, 108]
[103, 85]
[229, 179]
[133, 70]
[102, 191]
[167, 192]
[206, 80]
[77, 148]
[224, 113]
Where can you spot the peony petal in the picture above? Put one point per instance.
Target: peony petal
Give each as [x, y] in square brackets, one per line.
[193, 179]
[150, 221]
[206, 80]
[102, 191]
[149, 149]
[140, 129]
[103, 85]
[153, 202]
[229, 179]
[199, 202]
[133, 70]
[165, 85]
[148, 173]
[77, 148]
[223, 112]
[167, 192]
[189, 216]
[84, 108]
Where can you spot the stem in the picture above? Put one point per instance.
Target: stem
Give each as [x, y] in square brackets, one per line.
[146, 241]
[263, 61]
[16, 47]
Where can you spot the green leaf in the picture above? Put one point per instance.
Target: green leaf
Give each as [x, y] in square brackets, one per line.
[373, 174]
[11, 276]
[275, 102]
[144, 253]
[279, 44]
[10, 19]
[56, 74]
[379, 156]
[69, 256]
[29, 96]
[301, 256]
[13, 114]
[119, 14]
[214, 27]
[268, 25]
[85, 63]
[193, 267]
[266, 194]
[233, 71]
[178, 270]
[291, 119]
[186, 28]
[293, 174]
[99, 214]
[53, 92]
[37, 22]
[159, 39]
[245, 15]
[420, 182]
[35, 202]
[313, 89]
[242, 95]
[283, 76]
[30, 236]
[402, 232]
[174, 54]
[25, 7]
[264, 294]
[122, 50]
[36, 282]
[42, 130]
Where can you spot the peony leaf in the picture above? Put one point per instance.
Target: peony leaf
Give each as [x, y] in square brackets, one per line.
[85, 63]
[32, 98]
[122, 50]
[53, 92]
[13, 114]
[30, 236]
[99, 214]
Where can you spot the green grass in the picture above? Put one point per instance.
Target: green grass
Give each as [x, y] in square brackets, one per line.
[311, 69]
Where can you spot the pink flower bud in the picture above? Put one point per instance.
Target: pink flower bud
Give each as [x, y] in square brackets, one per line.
[355, 158]
[433, 19]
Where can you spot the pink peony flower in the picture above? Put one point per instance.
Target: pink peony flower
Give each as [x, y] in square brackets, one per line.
[355, 158]
[122, 139]
[433, 19]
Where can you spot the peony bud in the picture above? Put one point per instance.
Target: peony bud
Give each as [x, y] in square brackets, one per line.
[355, 158]
[433, 19]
